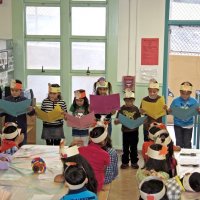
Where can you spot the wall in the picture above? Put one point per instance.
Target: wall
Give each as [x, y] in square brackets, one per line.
[6, 19]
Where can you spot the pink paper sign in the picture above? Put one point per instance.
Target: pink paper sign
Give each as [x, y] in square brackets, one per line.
[81, 123]
[104, 104]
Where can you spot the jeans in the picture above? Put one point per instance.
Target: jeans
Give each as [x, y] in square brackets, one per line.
[130, 142]
[183, 137]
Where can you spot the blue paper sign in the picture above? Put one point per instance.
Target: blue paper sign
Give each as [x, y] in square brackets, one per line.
[131, 123]
[14, 108]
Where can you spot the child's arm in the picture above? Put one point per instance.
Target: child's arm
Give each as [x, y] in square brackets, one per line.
[116, 121]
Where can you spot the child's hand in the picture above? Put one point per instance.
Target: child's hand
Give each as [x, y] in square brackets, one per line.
[19, 139]
[30, 108]
[198, 110]
[142, 111]
[165, 107]
[169, 110]
[113, 112]
[116, 121]
[5, 195]
[77, 142]
[65, 116]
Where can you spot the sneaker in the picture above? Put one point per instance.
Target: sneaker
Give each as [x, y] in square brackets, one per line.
[124, 166]
[134, 165]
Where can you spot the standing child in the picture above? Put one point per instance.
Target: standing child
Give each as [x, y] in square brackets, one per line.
[152, 97]
[79, 108]
[53, 131]
[183, 128]
[129, 136]
[76, 179]
[20, 120]
[103, 87]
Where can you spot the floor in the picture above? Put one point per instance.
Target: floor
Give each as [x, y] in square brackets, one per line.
[125, 185]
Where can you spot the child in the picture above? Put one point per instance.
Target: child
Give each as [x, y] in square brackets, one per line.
[153, 97]
[76, 179]
[112, 169]
[175, 185]
[102, 87]
[53, 131]
[129, 136]
[183, 128]
[79, 108]
[11, 138]
[156, 165]
[21, 120]
[71, 154]
[94, 154]
[152, 187]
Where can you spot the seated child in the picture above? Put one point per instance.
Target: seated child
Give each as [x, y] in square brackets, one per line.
[98, 158]
[156, 164]
[112, 169]
[5, 160]
[152, 188]
[76, 179]
[154, 130]
[190, 182]
[71, 154]
[11, 138]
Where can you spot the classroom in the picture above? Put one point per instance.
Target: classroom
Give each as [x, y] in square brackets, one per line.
[126, 68]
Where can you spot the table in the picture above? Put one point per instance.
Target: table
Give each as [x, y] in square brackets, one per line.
[182, 170]
[20, 180]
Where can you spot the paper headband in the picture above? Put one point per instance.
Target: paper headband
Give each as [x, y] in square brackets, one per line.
[155, 135]
[186, 87]
[79, 94]
[155, 196]
[15, 85]
[101, 84]
[157, 155]
[186, 183]
[129, 95]
[153, 85]
[103, 136]
[69, 151]
[75, 187]
[12, 135]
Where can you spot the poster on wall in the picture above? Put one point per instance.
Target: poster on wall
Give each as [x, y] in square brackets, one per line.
[128, 82]
[149, 51]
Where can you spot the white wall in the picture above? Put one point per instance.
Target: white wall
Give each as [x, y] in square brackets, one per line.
[6, 19]
[139, 19]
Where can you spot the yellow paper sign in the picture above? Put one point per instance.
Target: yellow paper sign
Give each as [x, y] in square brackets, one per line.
[55, 114]
[154, 109]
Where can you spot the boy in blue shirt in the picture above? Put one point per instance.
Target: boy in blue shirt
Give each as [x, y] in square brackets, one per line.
[183, 128]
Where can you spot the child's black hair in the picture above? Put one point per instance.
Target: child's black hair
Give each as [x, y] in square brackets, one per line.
[187, 82]
[10, 129]
[108, 143]
[153, 186]
[92, 182]
[97, 131]
[75, 174]
[18, 81]
[56, 86]
[157, 165]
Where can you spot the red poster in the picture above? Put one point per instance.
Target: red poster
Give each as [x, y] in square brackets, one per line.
[149, 51]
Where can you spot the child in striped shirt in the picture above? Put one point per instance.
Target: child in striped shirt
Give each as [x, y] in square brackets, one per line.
[53, 131]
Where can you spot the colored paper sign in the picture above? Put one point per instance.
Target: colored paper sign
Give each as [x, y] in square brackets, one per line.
[81, 123]
[131, 123]
[149, 51]
[183, 113]
[154, 109]
[104, 104]
[15, 108]
[55, 114]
